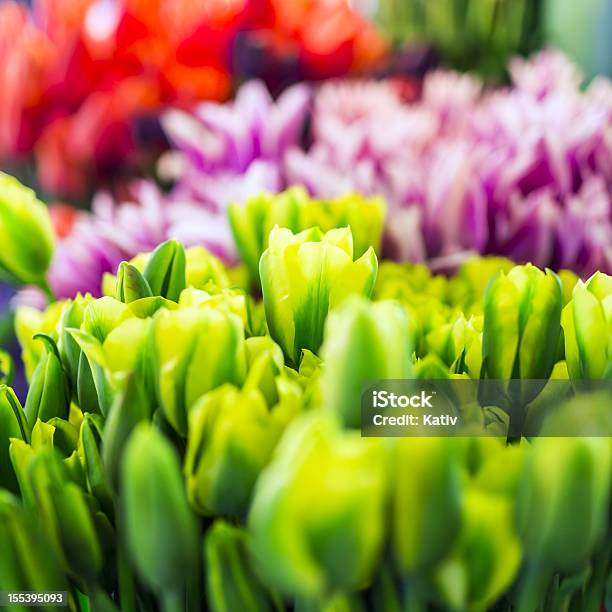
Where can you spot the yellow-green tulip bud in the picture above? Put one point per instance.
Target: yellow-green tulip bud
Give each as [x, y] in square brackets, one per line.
[563, 501]
[317, 517]
[29, 322]
[522, 312]
[231, 438]
[203, 268]
[165, 270]
[27, 234]
[49, 393]
[252, 222]
[13, 424]
[131, 284]
[458, 344]
[160, 530]
[365, 217]
[587, 328]
[486, 557]
[194, 351]
[231, 581]
[363, 341]
[304, 276]
[427, 497]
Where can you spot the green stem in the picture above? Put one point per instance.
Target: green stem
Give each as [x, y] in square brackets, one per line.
[596, 588]
[412, 596]
[532, 589]
[518, 414]
[46, 288]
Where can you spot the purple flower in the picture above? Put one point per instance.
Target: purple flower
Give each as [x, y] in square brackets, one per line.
[229, 151]
[512, 171]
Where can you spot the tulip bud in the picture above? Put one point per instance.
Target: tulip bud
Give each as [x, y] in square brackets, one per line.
[165, 270]
[27, 234]
[563, 512]
[66, 515]
[458, 344]
[90, 450]
[194, 351]
[203, 268]
[231, 438]
[363, 341]
[13, 424]
[521, 323]
[132, 405]
[252, 222]
[427, 497]
[303, 277]
[29, 322]
[365, 217]
[521, 331]
[316, 519]
[160, 529]
[27, 562]
[231, 582]
[49, 393]
[587, 327]
[71, 316]
[486, 556]
[131, 284]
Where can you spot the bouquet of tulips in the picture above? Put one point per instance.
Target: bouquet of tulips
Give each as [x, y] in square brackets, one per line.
[189, 441]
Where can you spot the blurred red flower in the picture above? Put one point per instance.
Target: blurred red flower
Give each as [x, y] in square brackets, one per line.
[77, 75]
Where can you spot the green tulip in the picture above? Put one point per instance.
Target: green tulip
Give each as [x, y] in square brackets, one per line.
[363, 341]
[159, 527]
[165, 270]
[13, 424]
[131, 284]
[203, 269]
[365, 217]
[90, 453]
[587, 328]
[521, 332]
[231, 437]
[29, 322]
[486, 557]
[66, 515]
[194, 351]
[27, 561]
[27, 234]
[426, 502]
[72, 314]
[458, 344]
[522, 312]
[303, 277]
[563, 500]
[252, 222]
[132, 405]
[49, 393]
[317, 516]
[231, 582]
[55, 433]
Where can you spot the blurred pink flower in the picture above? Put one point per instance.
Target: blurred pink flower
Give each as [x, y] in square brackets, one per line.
[506, 171]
